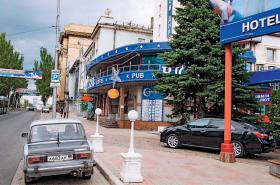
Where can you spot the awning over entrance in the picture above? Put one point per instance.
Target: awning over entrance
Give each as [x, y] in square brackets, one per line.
[262, 77]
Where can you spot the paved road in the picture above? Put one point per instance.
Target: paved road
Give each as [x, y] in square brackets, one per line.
[11, 143]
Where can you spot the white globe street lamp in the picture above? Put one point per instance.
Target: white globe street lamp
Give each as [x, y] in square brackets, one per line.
[132, 116]
[98, 112]
[131, 169]
[97, 139]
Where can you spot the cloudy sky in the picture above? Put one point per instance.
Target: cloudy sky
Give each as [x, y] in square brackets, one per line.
[27, 22]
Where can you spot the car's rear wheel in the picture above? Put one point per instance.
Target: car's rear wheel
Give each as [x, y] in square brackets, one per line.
[173, 141]
[28, 180]
[86, 177]
[238, 149]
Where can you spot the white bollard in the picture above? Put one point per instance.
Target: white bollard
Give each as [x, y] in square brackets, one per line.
[131, 169]
[97, 139]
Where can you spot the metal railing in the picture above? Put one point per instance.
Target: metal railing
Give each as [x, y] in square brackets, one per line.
[143, 67]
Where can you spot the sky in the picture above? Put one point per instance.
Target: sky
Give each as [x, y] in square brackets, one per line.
[27, 23]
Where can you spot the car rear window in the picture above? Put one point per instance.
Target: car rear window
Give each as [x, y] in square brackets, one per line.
[54, 132]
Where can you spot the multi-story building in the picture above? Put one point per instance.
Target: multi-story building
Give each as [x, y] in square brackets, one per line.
[266, 49]
[72, 39]
[164, 22]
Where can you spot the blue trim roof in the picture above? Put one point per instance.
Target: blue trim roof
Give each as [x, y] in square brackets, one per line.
[262, 77]
[154, 47]
[249, 55]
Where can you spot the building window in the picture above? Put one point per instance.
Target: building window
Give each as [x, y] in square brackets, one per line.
[159, 30]
[271, 53]
[159, 11]
[260, 67]
[141, 40]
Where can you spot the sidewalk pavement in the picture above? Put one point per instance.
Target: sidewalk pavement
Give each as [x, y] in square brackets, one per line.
[164, 166]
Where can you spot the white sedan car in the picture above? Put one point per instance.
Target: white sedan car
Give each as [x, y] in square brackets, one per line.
[56, 147]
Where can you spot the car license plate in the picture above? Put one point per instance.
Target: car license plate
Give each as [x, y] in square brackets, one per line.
[270, 137]
[56, 158]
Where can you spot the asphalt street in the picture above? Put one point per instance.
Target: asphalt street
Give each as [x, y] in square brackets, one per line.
[11, 143]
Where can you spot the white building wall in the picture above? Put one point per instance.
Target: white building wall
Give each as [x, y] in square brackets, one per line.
[71, 85]
[160, 19]
[261, 54]
[125, 38]
[106, 41]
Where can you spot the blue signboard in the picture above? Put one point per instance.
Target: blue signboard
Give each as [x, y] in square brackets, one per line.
[55, 76]
[169, 17]
[152, 105]
[13, 73]
[244, 19]
[124, 77]
[263, 98]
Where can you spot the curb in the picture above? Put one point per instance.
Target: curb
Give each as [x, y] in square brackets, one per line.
[109, 176]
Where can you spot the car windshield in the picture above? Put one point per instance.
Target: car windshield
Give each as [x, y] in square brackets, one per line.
[55, 132]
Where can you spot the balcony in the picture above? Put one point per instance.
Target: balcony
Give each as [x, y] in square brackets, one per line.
[132, 73]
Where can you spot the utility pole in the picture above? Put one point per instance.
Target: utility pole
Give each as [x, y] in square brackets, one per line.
[56, 56]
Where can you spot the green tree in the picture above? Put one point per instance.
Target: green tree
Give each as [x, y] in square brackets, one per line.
[10, 59]
[196, 46]
[46, 64]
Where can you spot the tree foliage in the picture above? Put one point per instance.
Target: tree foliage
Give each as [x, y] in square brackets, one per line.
[196, 46]
[46, 64]
[10, 59]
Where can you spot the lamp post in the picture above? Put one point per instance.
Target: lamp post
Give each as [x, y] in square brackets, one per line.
[97, 139]
[131, 169]
[98, 112]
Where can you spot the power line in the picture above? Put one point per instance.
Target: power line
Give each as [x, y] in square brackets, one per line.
[30, 31]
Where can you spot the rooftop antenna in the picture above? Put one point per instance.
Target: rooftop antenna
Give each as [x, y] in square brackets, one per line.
[108, 12]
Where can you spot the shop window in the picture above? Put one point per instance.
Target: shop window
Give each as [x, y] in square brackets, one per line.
[271, 67]
[152, 60]
[248, 67]
[271, 53]
[260, 67]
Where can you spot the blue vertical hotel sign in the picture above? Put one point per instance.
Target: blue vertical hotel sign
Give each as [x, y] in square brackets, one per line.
[245, 19]
[169, 17]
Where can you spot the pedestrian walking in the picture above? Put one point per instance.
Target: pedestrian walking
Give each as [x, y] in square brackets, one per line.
[61, 110]
[66, 110]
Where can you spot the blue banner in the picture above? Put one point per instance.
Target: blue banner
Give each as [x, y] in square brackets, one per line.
[12, 73]
[169, 17]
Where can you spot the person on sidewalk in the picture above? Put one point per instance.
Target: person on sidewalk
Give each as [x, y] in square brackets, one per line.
[61, 110]
[66, 110]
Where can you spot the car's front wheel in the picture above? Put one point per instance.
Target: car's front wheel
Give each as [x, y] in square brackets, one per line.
[173, 141]
[238, 149]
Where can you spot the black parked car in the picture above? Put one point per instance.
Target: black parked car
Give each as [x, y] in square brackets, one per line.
[209, 133]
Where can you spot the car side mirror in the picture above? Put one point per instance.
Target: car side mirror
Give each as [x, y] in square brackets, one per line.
[24, 135]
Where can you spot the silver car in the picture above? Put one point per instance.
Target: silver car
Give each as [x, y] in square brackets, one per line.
[56, 147]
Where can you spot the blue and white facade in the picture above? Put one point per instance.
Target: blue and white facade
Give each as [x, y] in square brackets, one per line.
[131, 69]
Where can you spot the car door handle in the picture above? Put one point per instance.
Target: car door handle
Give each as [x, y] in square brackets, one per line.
[203, 131]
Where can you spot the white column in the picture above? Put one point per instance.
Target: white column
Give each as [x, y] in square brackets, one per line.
[97, 139]
[131, 169]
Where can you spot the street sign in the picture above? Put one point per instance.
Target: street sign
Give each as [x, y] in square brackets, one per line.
[245, 19]
[53, 85]
[55, 76]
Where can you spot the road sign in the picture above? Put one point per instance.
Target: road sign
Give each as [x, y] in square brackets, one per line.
[55, 77]
[245, 19]
[54, 85]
